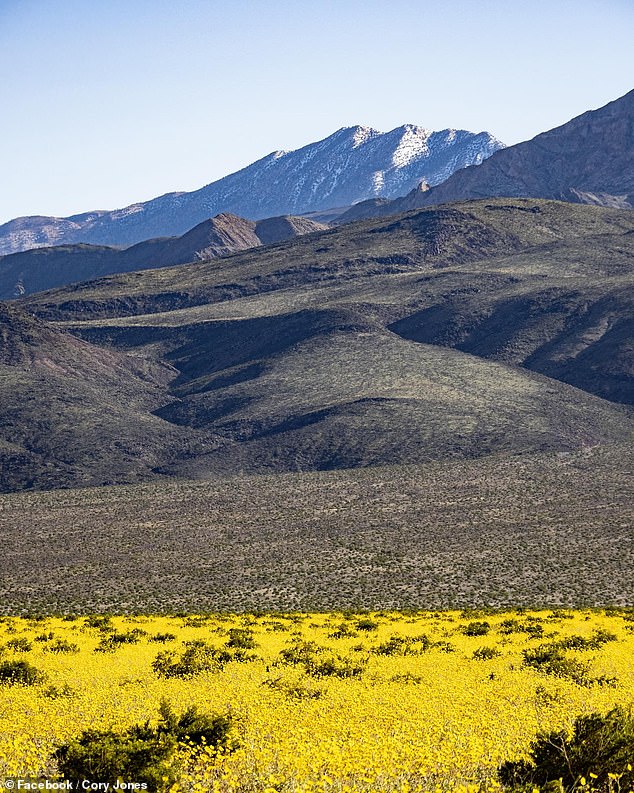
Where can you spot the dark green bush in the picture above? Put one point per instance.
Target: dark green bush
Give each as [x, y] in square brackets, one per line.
[476, 629]
[343, 631]
[318, 662]
[102, 622]
[600, 751]
[162, 638]
[366, 624]
[62, 646]
[509, 626]
[404, 645]
[115, 640]
[336, 666]
[299, 652]
[241, 638]
[197, 657]
[486, 653]
[141, 753]
[20, 645]
[19, 672]
[550, 659]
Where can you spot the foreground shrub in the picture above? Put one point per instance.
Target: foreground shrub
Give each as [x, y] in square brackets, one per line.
[62, 646]
[476, 629]
[197, 657]
[19, 672]
[20, 645]
[319, 662]
[598, 754]
[241, 638]
[404, 645]
[141, 753]
[486, 653]
[550, 659]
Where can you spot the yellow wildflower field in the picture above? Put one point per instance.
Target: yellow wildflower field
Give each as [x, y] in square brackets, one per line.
[318, 702]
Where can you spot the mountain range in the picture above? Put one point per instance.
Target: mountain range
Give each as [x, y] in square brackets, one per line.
[452, 332]
[350, 165]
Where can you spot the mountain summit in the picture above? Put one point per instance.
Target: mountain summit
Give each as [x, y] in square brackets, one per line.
[353, 164]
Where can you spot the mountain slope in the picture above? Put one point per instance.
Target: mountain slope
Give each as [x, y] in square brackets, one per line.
[352, 164]
[72, 414]
[588, 160]
[540, 284]
[44, 268]
[315, 353]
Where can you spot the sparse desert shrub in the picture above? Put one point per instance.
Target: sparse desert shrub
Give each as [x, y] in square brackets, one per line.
[336, 666]
[295, 689]
[598, 754]
[241, 638]
[486, 653]
[343, 631]
[19, 673]
[550, 659]
[59, 692]
[62, 646]
[102, 622]
[299, 652]
[598, 638]
[534, 629]
[163, 638]
[197, 657]
[404, 645]
[476, 628]
[44, 637]
[366, 624]
[141, 753]
[115, 640]
[509, 626]
[20, 645]
[318, 662]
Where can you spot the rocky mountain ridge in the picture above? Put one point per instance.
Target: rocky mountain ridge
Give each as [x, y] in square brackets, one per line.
[588, 160]
[350, 165]
[45, 268]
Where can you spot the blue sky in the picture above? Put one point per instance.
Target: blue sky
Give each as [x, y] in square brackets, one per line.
[107, 102]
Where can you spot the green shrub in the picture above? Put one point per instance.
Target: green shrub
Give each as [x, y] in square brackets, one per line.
[62, 646]
[599, 751]
[550, 659]
[343, 631]
[59, 692]
[486, 653]
[20, 645]
[162, 638]
[404, 645]
[197, 657]
[241, 638]
[100, 621]
[476, 629]
[318, 662]
[509, 626]
[366, 624]
[141, 753]
[115, 640]
[336, 666]
[19, 672]
[299, 652]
